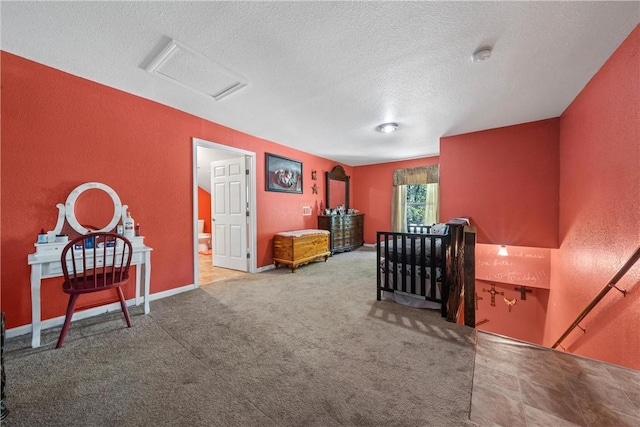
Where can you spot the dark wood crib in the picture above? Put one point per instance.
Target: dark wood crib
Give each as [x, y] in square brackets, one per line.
[439, 268]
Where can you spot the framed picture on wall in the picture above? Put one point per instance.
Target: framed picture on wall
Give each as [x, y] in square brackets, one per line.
[282, 174]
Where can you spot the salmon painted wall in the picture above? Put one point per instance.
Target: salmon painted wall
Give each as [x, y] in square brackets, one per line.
[524, 321]
[600, 212]
[59, 131]
[524, 268]
[283, 211]
[372, 187]
[204, 208]
[506, 181]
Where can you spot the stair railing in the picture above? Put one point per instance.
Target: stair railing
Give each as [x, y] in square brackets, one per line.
[611, 284]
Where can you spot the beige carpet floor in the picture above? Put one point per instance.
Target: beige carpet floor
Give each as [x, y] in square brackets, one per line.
[312, 348]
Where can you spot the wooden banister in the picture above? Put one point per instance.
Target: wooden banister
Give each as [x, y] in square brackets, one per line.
[611, 284]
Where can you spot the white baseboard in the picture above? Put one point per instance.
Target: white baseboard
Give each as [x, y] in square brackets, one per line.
[266, 268]
[171, 292]
[17, 331]
[57, 321]
[95, 311]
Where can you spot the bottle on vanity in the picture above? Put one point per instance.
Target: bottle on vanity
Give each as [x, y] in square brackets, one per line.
[42, 237]
[129, 231]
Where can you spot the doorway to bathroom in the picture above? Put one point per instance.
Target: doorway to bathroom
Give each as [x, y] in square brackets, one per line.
[211, 237]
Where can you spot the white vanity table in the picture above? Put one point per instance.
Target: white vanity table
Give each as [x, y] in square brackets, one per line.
[45, 262]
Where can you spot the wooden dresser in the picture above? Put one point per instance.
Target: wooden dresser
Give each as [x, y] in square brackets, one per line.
[295, 248]
[347, 231]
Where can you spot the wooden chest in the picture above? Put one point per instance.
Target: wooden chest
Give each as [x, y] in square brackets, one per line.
[295, 248]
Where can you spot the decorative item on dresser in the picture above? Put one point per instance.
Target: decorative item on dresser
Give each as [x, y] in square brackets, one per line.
[346, 231]
[299, 247]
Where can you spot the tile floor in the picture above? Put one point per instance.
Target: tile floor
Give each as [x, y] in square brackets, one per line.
[521, 384]
[209, 274]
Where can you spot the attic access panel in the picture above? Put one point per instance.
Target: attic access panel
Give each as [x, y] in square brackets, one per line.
[179, 64]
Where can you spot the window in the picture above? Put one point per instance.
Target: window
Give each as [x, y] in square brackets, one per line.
[415, 197]
[422, 204]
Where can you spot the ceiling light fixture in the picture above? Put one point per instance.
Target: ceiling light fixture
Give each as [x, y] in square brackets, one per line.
[482, 54]
[387, 127]
[503, 251]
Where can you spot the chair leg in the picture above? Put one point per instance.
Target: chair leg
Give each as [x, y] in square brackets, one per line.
[67, 320]
[123, 304]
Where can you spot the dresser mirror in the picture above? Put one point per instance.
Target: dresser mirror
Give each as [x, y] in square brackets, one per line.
[337, 188]
[93, 204]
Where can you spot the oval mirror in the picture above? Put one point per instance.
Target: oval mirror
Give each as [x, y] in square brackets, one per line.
[93, 207]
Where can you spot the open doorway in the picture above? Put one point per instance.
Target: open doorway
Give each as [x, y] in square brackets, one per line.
[204, 154]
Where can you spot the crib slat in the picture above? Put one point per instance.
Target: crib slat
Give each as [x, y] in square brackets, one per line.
[398, 263]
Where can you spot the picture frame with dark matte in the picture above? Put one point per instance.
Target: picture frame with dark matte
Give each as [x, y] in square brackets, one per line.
[282, 174]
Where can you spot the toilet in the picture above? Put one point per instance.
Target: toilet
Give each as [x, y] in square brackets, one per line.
[204, 239]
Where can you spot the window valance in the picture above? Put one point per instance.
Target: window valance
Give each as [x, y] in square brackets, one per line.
[419, 175]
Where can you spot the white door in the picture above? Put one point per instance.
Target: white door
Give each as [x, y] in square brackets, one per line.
[229, 213]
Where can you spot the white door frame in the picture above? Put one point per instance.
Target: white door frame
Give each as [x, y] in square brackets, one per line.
[252, 232]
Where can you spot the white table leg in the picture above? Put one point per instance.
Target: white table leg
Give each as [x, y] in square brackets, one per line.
[36, 280]
[147, 280]
[138, 268]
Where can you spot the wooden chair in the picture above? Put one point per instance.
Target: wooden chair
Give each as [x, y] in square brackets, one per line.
[94, 262]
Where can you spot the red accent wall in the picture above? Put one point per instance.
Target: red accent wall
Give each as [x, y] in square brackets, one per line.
[372, 187]
[526, 319]
[523, 266]
[600, 212]
[283, 211]
[59, 131]
[506, 181]
[204, 208]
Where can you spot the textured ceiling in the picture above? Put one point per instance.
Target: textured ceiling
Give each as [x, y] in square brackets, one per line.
[322, 75]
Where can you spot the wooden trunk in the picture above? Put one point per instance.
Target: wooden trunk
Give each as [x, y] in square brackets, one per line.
[293, 251]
